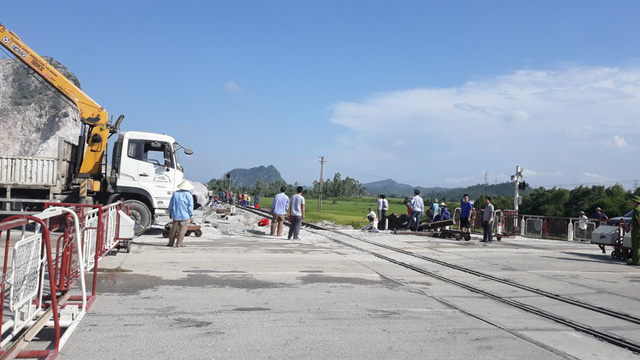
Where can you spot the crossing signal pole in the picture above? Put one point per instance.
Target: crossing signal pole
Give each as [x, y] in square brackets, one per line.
[519, 186]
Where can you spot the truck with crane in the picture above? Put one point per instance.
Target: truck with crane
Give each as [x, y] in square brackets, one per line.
[144, 169]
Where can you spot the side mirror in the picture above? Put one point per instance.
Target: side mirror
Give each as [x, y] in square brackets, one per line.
[188, 151]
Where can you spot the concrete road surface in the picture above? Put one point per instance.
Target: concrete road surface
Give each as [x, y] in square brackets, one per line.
[237, 293]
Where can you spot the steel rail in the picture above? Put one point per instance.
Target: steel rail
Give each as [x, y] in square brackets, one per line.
[605, 336]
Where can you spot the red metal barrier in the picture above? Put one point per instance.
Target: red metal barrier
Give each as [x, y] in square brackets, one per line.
[77, 230]
[510, 223]
[45, 302]
[100, 221]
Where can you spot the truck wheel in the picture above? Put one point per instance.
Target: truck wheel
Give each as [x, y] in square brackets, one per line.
[140, 214]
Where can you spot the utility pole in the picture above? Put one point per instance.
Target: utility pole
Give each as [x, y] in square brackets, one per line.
[322, 161]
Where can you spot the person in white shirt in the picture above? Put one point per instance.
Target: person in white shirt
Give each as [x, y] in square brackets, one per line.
[373, 219]
[417, 207]
[383, 212]
[296, 213]
[582, 222]
[279, 210]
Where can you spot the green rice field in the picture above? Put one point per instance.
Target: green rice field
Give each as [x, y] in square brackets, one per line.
[347, 211]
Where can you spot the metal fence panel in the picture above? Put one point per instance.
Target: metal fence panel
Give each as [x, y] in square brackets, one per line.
[25, 271]
[557, 228]
[110, 240]
[533, 227]
[583, 231]
[90, 237]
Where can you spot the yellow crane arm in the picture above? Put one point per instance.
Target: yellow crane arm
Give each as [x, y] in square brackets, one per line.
[91, 113]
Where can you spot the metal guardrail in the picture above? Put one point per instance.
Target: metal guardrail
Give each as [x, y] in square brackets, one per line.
[38, 277]
[509, 222]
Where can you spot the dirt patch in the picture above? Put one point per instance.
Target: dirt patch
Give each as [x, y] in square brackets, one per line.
[127, 283]
[191, 323]
[251, 309]
[322, 279]
[214, 272]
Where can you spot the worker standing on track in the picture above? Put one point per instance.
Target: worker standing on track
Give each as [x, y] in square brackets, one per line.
[487, 221]
[417, 207]
[635, 231]
[296, 213]
[465, 213]
[383, 213]
[279, 210]
[180, 212]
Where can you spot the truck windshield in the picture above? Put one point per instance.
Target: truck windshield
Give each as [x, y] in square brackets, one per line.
[155, 152]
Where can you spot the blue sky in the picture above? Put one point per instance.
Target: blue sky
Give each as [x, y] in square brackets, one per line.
[429, 93]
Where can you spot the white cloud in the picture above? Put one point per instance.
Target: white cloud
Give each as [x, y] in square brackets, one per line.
[232, 87]
[619, 142]
[591, 177]
[546, 119]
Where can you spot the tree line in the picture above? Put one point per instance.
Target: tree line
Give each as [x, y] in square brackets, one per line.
[613, 200]
[338, 187]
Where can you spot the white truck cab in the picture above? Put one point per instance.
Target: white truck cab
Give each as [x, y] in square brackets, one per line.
[146, 172]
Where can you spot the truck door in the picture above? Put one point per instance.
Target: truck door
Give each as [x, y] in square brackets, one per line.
[156, 169]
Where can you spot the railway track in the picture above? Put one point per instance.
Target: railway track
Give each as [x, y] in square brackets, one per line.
[463, 277]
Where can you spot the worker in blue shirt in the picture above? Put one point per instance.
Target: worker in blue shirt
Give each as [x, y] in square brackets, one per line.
[444, 213]
[465, 213]
[181, 213]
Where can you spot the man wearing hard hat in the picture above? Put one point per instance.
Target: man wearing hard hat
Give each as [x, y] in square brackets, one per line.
[181, 213]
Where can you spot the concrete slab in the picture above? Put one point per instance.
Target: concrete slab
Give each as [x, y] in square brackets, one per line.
[238, 293]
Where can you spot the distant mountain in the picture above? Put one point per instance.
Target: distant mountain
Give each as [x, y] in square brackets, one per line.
[392, 188]
[389, 187]
[249, 177]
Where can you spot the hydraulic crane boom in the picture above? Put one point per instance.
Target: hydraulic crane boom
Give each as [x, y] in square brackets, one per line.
[92, 114]
[144, 172]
